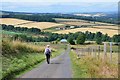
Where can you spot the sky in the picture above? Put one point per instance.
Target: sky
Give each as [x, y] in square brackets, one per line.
[60, 6]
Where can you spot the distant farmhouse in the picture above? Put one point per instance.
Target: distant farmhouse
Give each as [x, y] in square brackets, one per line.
[72, 27]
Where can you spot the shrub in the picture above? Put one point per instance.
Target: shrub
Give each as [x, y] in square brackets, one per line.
[70, 40]
[81, 38]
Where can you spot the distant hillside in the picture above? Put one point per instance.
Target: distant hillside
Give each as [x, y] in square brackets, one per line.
[107, 17]
[27, 16]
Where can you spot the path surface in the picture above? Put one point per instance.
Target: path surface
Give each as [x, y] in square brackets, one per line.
[60, 67]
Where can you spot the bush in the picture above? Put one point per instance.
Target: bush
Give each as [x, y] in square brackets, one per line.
[98, 37]
[81, 38]
[70, 40]
[116, 38]
[99, 41]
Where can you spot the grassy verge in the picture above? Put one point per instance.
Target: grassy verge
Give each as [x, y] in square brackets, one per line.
[15, 65]
[19, 57]
[77, 70]
[88, 67]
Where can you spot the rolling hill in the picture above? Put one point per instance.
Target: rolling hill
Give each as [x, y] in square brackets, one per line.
[29, 24]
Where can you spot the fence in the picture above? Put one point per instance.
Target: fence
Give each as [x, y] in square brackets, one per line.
[96, 51]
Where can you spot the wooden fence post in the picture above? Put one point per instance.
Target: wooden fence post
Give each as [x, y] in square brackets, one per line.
[110, 51]
[98, 52]
[92, 51]
[80, 52]
[95, 51]
[83, 51]
[77, 51]
[105, 54]
[88, 51]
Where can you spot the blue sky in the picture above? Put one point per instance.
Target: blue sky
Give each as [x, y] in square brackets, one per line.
[59, 6]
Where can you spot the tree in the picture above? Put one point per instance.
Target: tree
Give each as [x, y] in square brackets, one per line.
[98, 40]
[71, 41]
[98, 37]
[116, 38]
[81, 38]
[105, 37]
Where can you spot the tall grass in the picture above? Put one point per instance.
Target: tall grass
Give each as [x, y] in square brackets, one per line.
[20, 56]
[15, 47]
[89, 67]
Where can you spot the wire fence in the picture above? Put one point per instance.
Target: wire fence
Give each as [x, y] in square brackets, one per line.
[98, 52]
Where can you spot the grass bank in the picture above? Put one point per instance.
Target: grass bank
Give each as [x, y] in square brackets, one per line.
[88, 67]
[18, 57]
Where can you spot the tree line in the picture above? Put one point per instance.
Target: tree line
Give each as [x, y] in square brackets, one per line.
[80, 38]
[35, 17]
[73, 38]
[20, 29]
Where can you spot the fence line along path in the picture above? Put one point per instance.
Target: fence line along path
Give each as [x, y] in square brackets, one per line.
[97, 51]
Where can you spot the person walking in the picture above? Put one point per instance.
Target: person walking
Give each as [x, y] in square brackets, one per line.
[47, 53]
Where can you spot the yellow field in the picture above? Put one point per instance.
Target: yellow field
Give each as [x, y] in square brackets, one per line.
[104, 23]
[41, 25]
[29, 24]
[12, 21]
[73, 21]
[107, 27]
[62, 19]
[77, 23]
[93, 30]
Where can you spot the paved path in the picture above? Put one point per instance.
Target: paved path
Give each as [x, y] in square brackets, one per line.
[60, 67]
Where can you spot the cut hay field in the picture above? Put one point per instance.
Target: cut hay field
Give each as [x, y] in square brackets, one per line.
[73, 22]
[101, 23]
[110, 32]
[29, 24]
[107, 27]
[86, 23]
[12, 21]
[79, 22]
[64, 20]
[42, 25]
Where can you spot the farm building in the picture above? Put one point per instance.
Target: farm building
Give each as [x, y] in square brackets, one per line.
[71, 27]
[61, 28]
[63, 41]
[57, 28]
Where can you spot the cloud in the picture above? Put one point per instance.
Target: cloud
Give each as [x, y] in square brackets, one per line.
[56, 1]
[59, 7]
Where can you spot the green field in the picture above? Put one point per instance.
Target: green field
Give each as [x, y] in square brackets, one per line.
[10, 32]
[52, 29]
